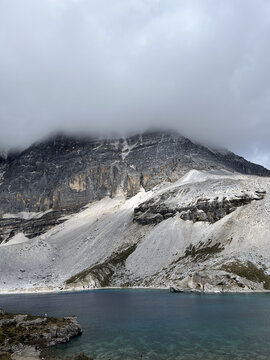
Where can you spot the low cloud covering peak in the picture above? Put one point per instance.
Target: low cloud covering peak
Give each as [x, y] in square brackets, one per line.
[200, 67]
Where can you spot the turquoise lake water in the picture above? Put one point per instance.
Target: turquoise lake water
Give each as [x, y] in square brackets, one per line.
[157, 324]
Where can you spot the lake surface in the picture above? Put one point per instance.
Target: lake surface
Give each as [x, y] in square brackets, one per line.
[157, 324]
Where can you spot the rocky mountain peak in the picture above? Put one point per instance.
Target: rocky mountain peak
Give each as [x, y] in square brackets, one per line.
[65, 172]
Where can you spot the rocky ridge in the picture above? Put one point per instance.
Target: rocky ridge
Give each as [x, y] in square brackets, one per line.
[161, 208]
[68, 173]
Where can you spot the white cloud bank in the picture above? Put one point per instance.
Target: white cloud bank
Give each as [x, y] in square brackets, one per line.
[201, 67]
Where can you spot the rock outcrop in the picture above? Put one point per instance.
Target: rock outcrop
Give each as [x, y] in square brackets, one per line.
[19, 331]
[100, 275]
[155, 210]
[11, 225]
[67, 173]
[216, 281]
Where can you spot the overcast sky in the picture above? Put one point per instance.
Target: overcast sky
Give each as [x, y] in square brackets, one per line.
[201, 67]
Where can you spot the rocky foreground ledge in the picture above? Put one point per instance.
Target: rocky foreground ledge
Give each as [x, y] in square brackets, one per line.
[24, 336]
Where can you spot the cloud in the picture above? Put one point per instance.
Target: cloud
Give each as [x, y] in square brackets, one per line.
[127, 65]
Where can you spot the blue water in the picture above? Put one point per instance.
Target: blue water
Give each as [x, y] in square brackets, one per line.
[156, 324]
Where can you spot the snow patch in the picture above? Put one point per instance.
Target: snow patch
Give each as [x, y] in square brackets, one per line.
[194, 176]
[16, 239]
[127, 149]
[26, 215]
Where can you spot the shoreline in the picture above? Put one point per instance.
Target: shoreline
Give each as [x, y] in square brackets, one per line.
[58, 291]
[37, 291]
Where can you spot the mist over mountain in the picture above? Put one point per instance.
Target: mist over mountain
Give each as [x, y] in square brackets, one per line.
[200, 68]
[134, 155]
[80, 87]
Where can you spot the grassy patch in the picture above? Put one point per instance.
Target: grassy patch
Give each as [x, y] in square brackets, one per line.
[249, 271]
[5, 356]
[31, 317]
[7, 316]
[122, 256]
[14, 333]
[103, 272]
[57, 321]
[202, 251]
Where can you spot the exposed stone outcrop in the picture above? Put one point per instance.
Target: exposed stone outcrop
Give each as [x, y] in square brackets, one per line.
[210, 210]
[67, 173]
[216, 281]
[10, 226]
[19, 331]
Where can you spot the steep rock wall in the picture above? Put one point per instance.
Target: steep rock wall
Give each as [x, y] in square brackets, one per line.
[67, 173]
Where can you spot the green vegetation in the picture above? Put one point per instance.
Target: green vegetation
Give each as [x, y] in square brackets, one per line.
[31, 317]
[104, 272]
[249, 271]
[202, 251]
[7, 316]
[121, 257]
[57, 321]
[14, 333]
[5, 356]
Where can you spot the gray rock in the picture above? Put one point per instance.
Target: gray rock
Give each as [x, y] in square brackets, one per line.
[154, 210]
[67, 173]
[216, 281]
[34, 331]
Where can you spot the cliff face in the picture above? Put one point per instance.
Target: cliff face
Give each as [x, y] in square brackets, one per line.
[204, 209]
[65, 173]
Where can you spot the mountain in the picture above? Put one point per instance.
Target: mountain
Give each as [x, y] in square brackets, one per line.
[68, 173]
[151, 210]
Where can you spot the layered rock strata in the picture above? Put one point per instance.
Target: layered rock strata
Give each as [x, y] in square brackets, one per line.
[210, 210]
[67, 173]
[11, 225]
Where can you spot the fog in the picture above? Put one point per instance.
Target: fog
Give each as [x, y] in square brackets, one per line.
[199, 67]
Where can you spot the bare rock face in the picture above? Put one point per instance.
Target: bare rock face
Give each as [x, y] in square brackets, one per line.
[67, 173]
[209, 210]
[216, 281]
[31, 227]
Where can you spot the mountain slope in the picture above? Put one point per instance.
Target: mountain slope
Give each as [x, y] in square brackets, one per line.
[68, 173]
[150, 210]
[225, 239]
